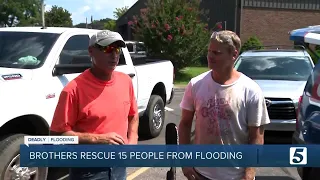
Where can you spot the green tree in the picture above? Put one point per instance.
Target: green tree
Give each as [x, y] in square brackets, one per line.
[20, 12]
[119, 12]
[172, 29]
[110, 25]
[252, 43]
[58, 17]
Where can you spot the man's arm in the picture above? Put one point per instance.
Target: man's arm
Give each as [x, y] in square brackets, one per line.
[185, 126]
[133, 118]
[133, 129]
[187, 106]
[256, 136]
[257, 115]
[65, 117]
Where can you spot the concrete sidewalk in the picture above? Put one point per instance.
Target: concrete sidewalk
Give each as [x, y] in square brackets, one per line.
[180, 87]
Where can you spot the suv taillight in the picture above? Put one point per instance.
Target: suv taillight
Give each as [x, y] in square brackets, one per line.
[298, 111]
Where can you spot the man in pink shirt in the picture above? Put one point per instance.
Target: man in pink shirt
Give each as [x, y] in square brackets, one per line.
[230, 108]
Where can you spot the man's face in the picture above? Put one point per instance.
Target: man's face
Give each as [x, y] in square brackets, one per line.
[105, 58]
[220, 56]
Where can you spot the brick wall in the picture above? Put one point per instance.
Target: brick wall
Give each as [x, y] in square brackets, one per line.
[271, 26]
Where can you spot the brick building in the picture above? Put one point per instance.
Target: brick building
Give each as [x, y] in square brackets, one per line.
[269, 20]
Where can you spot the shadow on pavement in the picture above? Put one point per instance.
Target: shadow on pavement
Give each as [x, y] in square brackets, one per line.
[278, 137]
[141, 138]
[57, 173]
[273, 178]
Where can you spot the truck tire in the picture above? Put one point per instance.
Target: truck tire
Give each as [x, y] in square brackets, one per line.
[10, 165]
[153, 119]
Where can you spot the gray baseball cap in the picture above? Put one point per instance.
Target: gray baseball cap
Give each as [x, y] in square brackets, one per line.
[106, 37]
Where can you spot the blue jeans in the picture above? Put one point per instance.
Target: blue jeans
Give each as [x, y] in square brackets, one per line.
[114, 173]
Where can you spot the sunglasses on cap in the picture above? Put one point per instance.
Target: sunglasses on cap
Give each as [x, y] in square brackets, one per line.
[109, 49]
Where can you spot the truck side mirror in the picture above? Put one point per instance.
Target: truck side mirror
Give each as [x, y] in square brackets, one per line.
[78, 65]
[61, 69]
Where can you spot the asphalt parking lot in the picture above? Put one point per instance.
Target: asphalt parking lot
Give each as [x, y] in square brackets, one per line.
[173, 116]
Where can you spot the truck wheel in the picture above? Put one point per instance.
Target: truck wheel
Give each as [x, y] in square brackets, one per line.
[10, 161]
[153, 119]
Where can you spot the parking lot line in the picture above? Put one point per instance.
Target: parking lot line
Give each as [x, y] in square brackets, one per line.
[137, 173]
[168, 109]
[64, 177]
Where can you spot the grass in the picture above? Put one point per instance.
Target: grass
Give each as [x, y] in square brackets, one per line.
[184, 76]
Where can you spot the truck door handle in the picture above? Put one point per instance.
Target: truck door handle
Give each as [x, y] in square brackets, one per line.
[131, 75]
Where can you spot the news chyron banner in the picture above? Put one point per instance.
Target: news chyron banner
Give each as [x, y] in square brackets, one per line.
[66, 152]
[54, 140]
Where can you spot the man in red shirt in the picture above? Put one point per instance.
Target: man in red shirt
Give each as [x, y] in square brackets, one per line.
[99, 106]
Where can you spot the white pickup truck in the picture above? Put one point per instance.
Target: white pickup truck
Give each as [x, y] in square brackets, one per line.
[35, 65]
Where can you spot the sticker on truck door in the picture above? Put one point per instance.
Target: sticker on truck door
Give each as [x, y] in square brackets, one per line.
[11, 76]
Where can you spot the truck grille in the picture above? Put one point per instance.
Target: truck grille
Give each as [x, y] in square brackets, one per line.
[280, 108]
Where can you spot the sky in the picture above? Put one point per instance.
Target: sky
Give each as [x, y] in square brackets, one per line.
[82, 9]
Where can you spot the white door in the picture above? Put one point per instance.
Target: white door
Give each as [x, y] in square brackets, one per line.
[125, 65]
[74, 46]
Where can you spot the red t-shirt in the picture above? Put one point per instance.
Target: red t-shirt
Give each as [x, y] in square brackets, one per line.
[90, 105]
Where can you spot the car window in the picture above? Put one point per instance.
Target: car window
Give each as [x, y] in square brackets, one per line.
[275, 67]
[25, 50]
[140, 47]
[75, 51]
[122, 60]
[130, 47]
[313, 82]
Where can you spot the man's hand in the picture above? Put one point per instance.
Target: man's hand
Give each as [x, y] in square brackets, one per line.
[249, 174]
[110, 138]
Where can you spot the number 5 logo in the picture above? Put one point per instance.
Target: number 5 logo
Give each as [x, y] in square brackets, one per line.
[298, 155]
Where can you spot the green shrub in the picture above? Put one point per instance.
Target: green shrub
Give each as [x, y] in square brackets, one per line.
[314, 58]
[172, 29]
[252, 43]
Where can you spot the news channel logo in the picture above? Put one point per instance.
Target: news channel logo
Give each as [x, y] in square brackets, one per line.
[298, 156]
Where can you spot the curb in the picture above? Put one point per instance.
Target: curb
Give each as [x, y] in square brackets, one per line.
[179, 88]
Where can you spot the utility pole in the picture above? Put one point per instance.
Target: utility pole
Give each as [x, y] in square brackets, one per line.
[42, 14]
[91, 22]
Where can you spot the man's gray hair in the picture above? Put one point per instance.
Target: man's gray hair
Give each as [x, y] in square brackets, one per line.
[228, 38]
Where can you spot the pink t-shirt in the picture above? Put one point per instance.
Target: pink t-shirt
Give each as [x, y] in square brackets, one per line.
[223, 114]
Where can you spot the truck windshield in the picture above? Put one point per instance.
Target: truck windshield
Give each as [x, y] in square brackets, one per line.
[275, 68]
[25, 50]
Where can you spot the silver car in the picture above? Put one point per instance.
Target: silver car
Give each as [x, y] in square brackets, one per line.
[282, 75]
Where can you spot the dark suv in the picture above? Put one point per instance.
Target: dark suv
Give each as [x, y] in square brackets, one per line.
[308, 119]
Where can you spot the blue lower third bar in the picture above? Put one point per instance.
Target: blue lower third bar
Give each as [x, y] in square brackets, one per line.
[168, 156]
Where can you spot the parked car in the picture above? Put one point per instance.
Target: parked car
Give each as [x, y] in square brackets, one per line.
[36, 64]
[308, 114]
[136, 48]
[282, 75]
